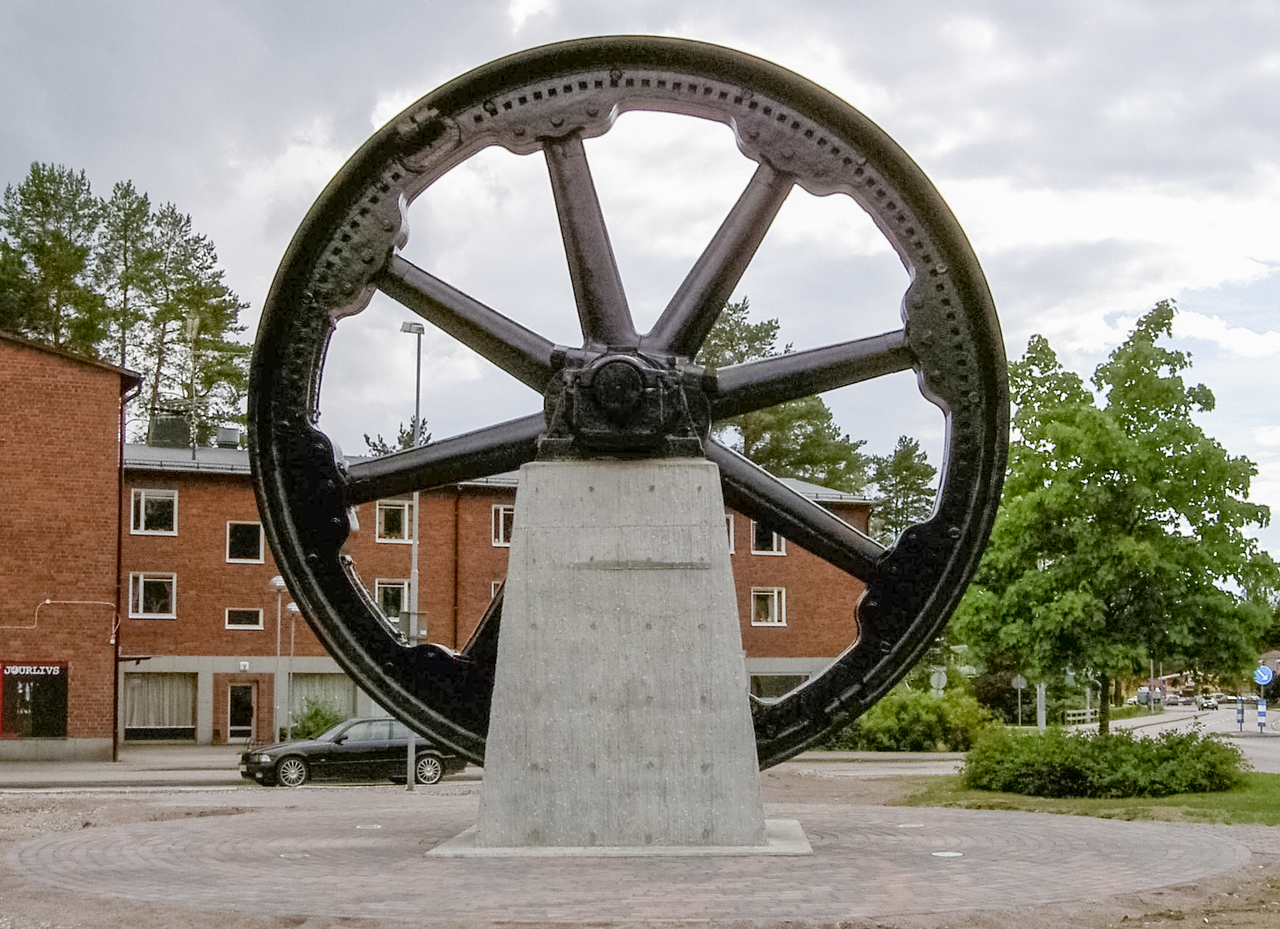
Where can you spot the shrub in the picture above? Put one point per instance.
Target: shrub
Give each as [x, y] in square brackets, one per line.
[1062, 764]
[317, 716]
[914, 721]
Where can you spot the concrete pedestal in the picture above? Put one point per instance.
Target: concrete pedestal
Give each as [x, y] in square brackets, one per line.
[620, 715]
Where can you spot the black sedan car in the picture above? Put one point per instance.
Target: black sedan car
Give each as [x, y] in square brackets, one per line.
[355, 750]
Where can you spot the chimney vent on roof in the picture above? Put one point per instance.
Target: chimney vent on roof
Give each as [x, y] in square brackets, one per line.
[228, 437]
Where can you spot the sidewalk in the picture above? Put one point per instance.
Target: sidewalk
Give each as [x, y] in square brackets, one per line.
[139, 766]
[204, 766]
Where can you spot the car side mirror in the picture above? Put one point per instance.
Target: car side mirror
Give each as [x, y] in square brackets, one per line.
[340, 739]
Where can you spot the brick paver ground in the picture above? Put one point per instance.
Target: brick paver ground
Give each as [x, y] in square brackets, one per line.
[350, 853]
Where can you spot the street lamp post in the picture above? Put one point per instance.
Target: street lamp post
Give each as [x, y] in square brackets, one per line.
[416, 329]
[288, 687]
[278, 585]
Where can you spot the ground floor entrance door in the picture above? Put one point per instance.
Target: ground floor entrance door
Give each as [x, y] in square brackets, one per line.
[240, 722]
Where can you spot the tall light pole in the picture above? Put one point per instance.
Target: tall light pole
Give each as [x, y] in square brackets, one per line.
[288, 689]
[417, 329]
[277, 584]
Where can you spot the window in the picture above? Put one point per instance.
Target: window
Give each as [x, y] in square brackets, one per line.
[504, 520]
[764, 541]
[770, 688]
[494, 587]
[394, 521]
[392, 597]
[244, 542]
[160, 706]
[244, 619]
[768, 606]
[151, 595]
[155, 512]
[728, 525]
[33, 701]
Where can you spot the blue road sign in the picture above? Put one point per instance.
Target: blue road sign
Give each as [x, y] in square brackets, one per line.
[1263, 675]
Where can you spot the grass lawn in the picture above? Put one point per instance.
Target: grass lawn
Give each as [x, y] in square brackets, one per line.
[1257, 800]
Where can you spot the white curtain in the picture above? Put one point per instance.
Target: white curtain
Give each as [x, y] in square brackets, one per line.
[338, 690]
[156, 701]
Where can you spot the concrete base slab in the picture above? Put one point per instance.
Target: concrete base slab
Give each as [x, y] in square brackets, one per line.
[783, 836]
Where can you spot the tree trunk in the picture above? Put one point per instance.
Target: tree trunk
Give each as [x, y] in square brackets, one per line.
[1104, 705]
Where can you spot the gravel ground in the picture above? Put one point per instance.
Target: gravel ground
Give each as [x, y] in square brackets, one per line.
[1246, 899]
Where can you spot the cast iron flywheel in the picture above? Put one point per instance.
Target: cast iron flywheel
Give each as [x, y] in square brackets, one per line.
[622, 392]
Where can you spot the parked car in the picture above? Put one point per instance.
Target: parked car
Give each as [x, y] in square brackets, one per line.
[354, 750]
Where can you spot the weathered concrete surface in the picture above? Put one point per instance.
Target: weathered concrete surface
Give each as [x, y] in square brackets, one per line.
[620, 713]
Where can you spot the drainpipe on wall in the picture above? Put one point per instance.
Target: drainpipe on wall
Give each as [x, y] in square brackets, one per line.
[120, 592]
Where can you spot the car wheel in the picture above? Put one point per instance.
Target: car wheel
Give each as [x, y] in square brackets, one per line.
[429, 769]
[292, 772]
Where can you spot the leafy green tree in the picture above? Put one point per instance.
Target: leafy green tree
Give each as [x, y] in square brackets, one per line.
[404, 441]
[904, 479]
[1120, 537]
[49, 223]
[798, 438]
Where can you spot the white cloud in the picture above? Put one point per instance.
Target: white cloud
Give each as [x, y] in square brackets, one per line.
[520, 11]
[1268, 435]
[1235, 339]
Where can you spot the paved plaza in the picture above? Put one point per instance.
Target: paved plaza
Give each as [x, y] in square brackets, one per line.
[175, 833]
[346, 852]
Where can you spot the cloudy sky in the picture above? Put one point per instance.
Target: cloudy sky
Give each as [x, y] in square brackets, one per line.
[1101, 156]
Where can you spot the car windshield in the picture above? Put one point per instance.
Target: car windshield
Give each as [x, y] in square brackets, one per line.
[330, 734]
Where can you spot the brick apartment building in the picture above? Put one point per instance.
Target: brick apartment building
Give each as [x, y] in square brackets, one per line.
[209, 650]
[60, 520]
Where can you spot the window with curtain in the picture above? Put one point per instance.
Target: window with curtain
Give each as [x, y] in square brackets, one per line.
[159, 706]
[337, 690]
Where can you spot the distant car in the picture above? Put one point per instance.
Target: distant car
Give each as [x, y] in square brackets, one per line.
[1207, 703]
[354, 750]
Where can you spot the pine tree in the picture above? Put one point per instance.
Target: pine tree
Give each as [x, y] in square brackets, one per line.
[799, 438]
[50, 223]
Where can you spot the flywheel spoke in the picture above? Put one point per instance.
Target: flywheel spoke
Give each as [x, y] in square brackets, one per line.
[692, 312]
[520, 352]
[465, 457]
[756, 385]
[597, 285]
[756, 493]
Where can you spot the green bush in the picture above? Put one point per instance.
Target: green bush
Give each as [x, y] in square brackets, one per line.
[317, 716]
[915, 721]
[1062, 764]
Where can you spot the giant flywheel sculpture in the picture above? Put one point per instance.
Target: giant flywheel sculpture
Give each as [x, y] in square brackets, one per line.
[623, 393]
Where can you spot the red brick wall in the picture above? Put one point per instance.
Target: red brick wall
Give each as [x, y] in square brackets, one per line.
[821, 600]
[59, 466]
[207, 585]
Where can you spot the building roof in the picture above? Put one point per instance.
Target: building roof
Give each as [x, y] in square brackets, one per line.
[129, 380]
[236, 461]
[211, 460]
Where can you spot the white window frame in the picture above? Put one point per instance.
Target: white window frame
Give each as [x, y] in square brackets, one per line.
[137, 580]
[501, 536]
[137, 510]
[241, 609]
[779, 543]
[728, 524]
[778, 595]
[261, 543]
[494, 587]
[386, 583]
[404, 505]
